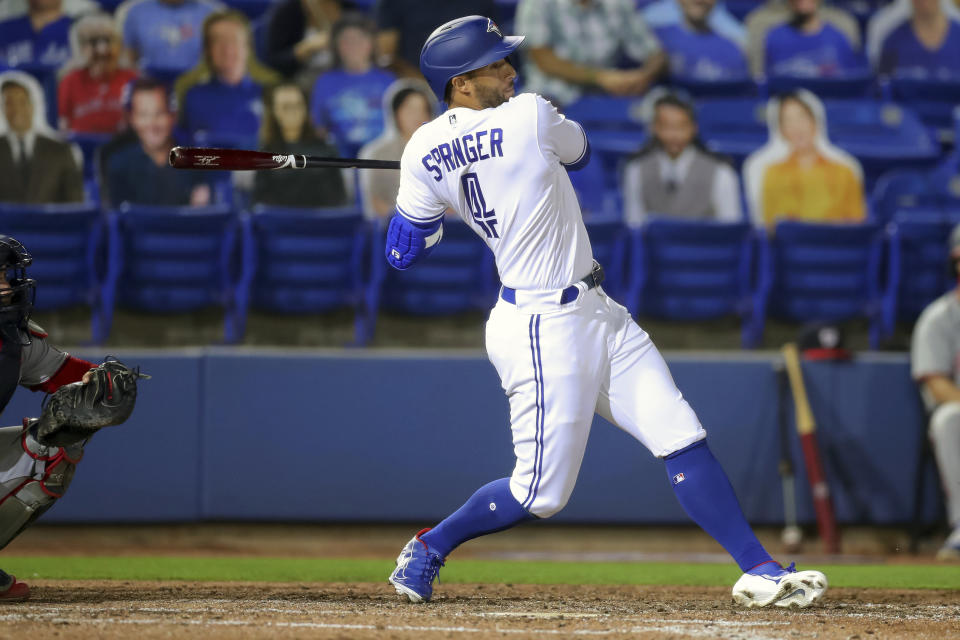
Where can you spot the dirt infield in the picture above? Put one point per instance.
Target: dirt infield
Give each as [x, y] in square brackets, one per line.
[146, 610]
[112, 609]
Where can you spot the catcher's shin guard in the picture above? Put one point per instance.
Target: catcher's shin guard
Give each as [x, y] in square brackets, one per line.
[26, 498]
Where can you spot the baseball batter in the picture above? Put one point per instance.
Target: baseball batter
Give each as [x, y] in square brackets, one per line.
[39, 456]
[563, 349]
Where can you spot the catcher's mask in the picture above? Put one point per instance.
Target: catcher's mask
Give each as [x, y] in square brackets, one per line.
[17, 297]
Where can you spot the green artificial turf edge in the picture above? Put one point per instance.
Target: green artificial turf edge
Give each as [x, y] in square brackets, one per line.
[285, 569]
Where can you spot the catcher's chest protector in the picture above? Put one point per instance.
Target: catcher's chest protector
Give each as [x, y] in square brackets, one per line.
[10, 352]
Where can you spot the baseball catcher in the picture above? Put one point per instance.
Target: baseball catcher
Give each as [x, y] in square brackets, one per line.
[38, 458]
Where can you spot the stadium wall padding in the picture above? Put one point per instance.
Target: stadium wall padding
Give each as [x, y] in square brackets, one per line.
[240, 434]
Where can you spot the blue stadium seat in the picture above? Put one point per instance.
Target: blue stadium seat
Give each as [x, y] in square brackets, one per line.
[946, 176]
[862, 10]
[310, 261]
[740, 8]
[227, 140]
[727, 88]
[615, 127]
[610, 241]
[909, 190]
[610, 144]
[852, 85]
[260, 30]
[952, 215]
[693, 270]
[956, 126]
[824, 273]
[506, 14]
[66, 242]
[902, 190]
[607, 112]
[458, 276]
[934, 100]
[597, 199]
[164, 75]
[180, 259]
[882, 135]
[733, 126]
[253, 9]
[916, 266]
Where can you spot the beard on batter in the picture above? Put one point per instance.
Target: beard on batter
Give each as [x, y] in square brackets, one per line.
[488, 97]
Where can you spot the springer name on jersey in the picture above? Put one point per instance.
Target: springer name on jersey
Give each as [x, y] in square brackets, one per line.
[461, 151]
[502, 170]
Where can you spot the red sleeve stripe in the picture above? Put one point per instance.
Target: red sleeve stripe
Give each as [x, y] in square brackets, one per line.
[71, 370]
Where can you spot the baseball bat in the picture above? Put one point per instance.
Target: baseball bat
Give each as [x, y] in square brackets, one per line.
[246, 160]
[807, 430]
[792, 535]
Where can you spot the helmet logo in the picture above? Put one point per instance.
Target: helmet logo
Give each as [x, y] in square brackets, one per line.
[492, 26]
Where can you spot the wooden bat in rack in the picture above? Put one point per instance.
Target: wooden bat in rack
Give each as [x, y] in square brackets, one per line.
[807, 430]
[245, 160]
[792, 535]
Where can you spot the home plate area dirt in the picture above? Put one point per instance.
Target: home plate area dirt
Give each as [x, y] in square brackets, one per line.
[121, 609]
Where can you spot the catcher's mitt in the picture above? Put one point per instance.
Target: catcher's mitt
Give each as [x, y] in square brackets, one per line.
[76, 411]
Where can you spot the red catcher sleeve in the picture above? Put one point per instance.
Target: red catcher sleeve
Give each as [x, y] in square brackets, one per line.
[71, 370]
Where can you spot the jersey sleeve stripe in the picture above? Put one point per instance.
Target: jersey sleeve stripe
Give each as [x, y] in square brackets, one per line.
[419, 220]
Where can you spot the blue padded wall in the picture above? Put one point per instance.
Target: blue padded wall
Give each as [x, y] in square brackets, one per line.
[234, 434]
[351, 438]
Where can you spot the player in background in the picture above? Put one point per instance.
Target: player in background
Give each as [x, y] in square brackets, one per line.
[562, 348]
[36, 467]
[934, 355]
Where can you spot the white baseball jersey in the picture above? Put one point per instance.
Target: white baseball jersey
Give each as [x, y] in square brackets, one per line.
[500, 170]
[559, 362]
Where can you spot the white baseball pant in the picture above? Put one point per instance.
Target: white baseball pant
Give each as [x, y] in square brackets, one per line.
[561, 364]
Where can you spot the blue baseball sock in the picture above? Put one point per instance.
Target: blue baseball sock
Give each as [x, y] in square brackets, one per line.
[705, 494]
[492, 508]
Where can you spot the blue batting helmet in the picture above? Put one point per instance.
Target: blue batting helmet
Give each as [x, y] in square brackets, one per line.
[460, 46]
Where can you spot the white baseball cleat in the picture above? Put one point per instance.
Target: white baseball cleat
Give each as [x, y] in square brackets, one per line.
[771, 584]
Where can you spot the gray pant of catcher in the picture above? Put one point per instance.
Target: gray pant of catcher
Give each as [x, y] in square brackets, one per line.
[32, 477]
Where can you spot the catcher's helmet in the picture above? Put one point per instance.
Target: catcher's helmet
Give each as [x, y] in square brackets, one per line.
[16, 302]
[460, 46]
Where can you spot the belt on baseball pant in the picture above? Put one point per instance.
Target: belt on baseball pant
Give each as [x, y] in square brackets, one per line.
[571, 293]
